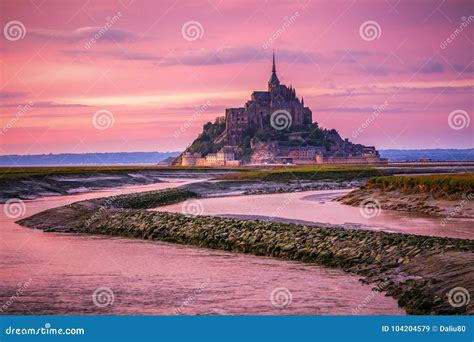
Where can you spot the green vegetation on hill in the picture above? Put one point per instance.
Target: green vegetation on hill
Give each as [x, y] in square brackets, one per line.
[307, 173]
[205, 142]
[448, 184]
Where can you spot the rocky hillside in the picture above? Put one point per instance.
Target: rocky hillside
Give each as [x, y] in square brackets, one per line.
[212, 139]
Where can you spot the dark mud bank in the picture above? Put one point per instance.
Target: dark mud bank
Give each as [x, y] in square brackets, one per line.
[64, 184]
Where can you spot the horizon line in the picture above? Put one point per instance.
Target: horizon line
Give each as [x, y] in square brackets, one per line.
[179, 151]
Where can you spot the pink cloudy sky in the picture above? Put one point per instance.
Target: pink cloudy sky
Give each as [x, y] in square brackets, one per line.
[153, 80]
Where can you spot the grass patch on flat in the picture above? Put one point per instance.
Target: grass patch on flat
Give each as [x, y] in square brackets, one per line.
[307, 173]
[447, 183]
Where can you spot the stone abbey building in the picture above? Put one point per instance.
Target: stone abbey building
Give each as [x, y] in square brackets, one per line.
[257, 113]
[276, 127]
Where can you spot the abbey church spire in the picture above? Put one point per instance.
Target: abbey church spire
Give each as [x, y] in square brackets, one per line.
[274, 81]
[274, 68]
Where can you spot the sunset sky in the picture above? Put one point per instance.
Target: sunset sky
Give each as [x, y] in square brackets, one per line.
[159, 82]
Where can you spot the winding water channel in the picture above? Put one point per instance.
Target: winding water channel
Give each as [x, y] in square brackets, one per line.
[319, 207]
[51, 273]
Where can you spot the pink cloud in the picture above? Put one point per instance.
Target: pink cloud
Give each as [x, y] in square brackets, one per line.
[144, 71]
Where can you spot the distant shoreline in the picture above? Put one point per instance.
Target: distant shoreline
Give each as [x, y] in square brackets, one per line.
[154, 158]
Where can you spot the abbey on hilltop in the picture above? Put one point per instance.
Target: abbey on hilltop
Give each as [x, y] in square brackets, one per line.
[257, 113]
[273, 127]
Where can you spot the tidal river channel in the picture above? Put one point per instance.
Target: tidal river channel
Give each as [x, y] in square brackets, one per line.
[51, 273]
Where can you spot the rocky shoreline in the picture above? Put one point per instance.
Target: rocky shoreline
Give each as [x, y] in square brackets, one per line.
[220, 188]
[417, 270]
[304, 186]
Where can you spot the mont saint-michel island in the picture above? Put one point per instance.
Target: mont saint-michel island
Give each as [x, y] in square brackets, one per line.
[273, 127]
